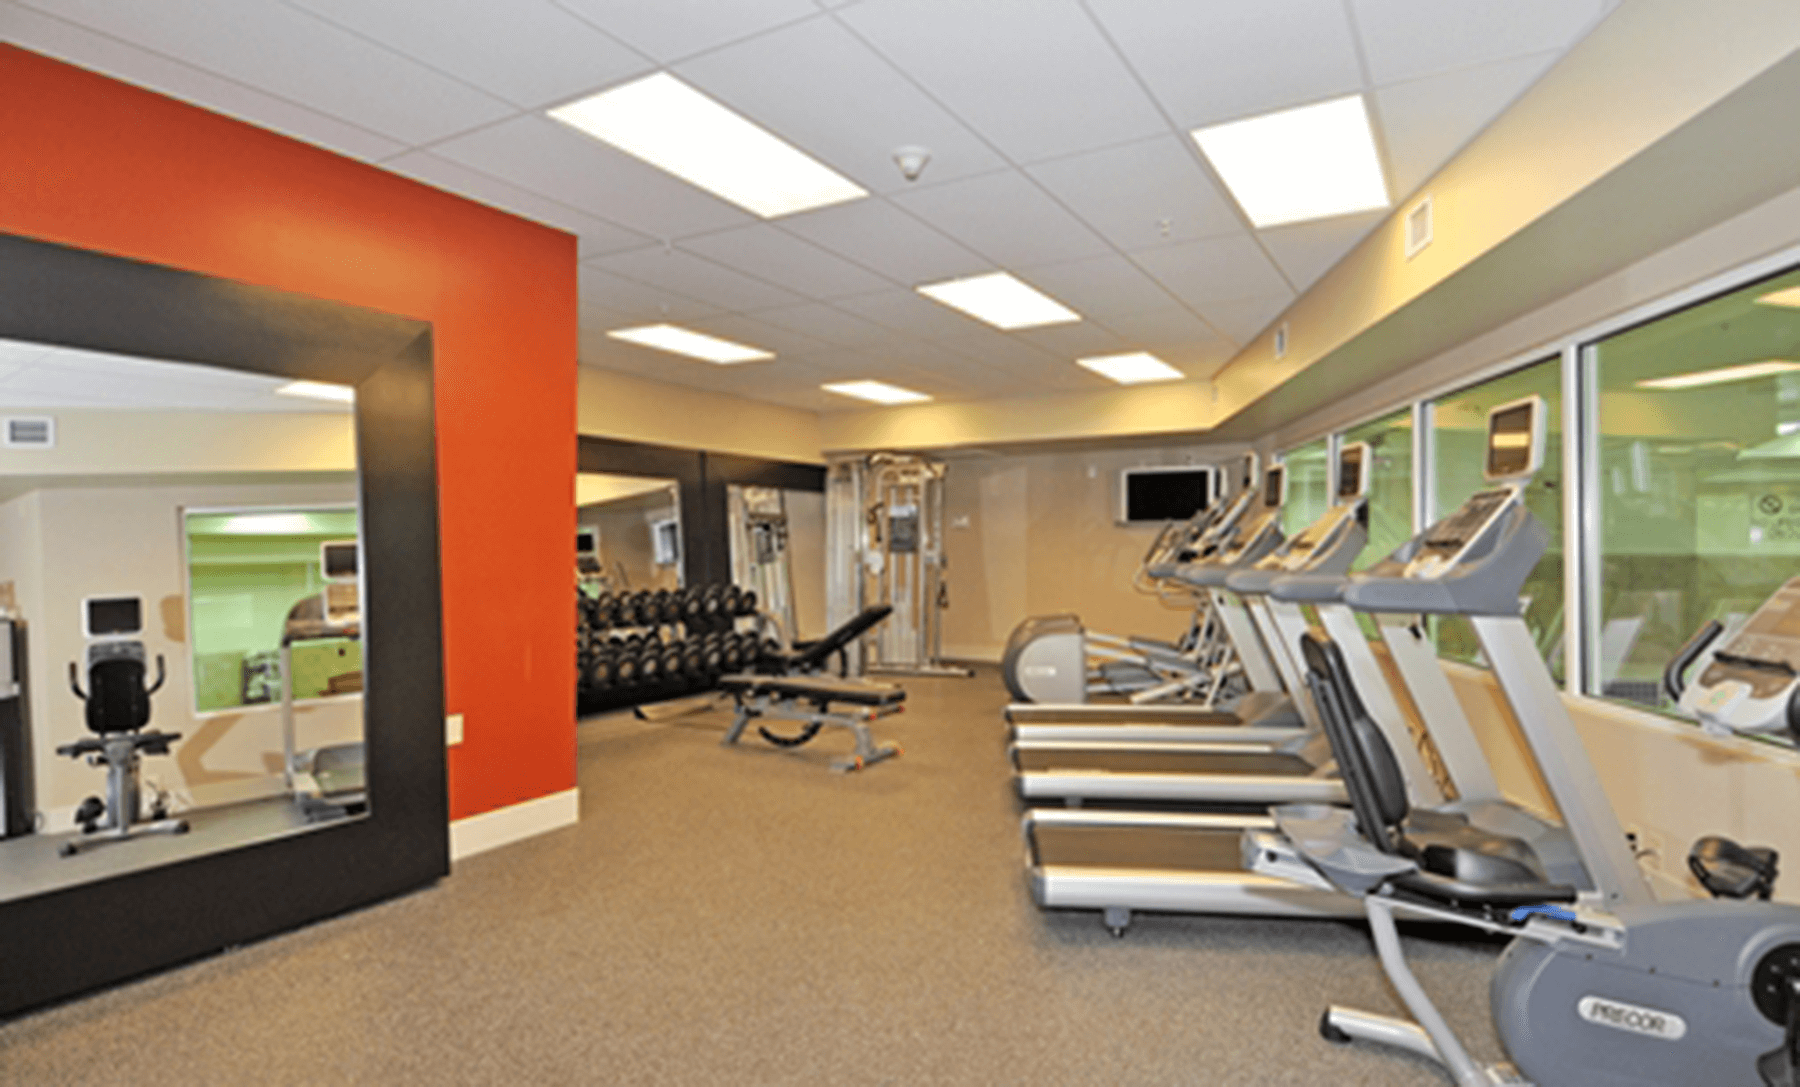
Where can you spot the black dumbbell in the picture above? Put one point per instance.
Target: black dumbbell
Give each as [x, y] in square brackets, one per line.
[747, 603]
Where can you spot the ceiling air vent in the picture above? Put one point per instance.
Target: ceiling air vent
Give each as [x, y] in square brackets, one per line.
[1281, 340]
[1418, 228]
[30, 432]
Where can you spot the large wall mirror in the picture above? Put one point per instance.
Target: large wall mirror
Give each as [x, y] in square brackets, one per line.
[221, 677]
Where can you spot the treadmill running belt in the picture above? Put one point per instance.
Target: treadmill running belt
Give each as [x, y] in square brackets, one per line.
[1181, 849]
[1162, 762]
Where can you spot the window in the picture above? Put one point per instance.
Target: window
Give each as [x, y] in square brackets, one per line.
[1698, 472]
[1308, 485]
[1459, 437]
[247, 569]
[1390, 483]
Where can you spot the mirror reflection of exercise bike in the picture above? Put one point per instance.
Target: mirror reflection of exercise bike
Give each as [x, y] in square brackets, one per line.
[327, 781]
[117, 708]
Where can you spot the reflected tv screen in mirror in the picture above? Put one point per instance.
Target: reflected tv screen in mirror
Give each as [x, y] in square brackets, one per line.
[337, 558]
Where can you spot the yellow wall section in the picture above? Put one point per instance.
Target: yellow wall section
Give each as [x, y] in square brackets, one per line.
[151, 442]
[614, 405]
[1036, 534]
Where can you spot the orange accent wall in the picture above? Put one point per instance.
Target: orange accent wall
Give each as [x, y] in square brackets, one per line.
[90, 162]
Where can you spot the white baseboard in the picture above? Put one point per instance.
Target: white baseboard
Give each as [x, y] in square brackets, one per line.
[514, 823]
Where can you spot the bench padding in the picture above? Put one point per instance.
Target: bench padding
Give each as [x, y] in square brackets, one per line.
[814, 688]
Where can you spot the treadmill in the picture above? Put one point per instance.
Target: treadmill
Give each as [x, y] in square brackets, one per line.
[1220, 767]
[1473, 562]
[1200, 540]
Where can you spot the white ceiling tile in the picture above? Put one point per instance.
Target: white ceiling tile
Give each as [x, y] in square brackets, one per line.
[286, 52]
[783, 342]
[641, 303]
[1406, 39]
[1213, 60]
[529, 52]
[1201, 272]
[1037, 79]
[595, 236]
[658, 365]
[1070, 342]
[1163, 330]
[1098, 286]
[695, 277]
[1002, 350]
[1427, 121]
[1306, 251]
[768, 253]
[536, 153]
[826, 323]
[669, 29]
[109, 56]
[1243, 318]
[1006, 218]
[909, 312]
[1142, 194]
[882, 237]
[818, 86]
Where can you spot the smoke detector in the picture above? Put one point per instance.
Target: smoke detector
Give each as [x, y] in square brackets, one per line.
[911, 161]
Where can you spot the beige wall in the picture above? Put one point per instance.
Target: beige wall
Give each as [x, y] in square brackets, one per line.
[1036, 534]
[129, 540]
[615, 405]
[1670, 783]
[148, 442]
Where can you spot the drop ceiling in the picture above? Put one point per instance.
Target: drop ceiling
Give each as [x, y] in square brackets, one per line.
[1057, 131]
[42, 376]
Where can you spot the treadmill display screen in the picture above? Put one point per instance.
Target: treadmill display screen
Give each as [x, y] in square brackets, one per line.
[114, 615]
[1511, 433]
[1772, 636]
[338, 559]
[1166, 495]
[1350, 471]
[1272, 486]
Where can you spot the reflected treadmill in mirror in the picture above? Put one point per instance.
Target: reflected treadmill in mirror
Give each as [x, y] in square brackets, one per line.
[194, 674]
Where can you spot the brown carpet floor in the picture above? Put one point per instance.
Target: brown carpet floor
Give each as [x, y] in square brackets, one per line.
[748, 917]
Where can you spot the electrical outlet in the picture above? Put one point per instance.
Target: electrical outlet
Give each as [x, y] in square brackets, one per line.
[453, 730]
[1646, 846]
[961, 520]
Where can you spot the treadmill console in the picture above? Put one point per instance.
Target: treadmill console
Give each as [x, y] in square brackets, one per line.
[1297, 554]
[1446, 542]
[1761, 663]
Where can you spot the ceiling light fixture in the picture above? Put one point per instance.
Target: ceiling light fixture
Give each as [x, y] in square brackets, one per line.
[1789, 297]
[879, 392]
[319, 390]
[1744, 372]
[696, 345]
[1000, 300]
[674, 127]
[1135, 368]
[1312, 162]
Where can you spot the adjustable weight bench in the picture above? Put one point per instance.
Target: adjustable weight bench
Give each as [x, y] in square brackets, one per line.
[811, 699]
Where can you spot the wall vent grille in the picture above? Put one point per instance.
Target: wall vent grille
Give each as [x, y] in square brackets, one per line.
[1418, 228]
[30, 432]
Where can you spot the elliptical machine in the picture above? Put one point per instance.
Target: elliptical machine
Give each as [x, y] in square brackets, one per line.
[117, 707]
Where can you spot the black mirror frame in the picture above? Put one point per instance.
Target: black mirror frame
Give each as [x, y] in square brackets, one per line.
[66, 942]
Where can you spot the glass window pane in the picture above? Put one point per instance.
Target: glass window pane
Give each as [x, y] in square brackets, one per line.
[1699, 478]
[1308, 485]
[1459, 439]
[1390, 475]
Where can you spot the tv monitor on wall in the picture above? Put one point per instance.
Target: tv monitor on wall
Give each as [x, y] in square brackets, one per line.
[1154, 495]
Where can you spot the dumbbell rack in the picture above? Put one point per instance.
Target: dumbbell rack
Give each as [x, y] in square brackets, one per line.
[634, 648]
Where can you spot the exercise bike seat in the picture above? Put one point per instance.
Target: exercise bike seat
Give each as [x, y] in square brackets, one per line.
[1729, 870]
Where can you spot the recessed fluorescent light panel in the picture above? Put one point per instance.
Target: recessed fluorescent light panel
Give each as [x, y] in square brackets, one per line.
[1136, 368]
[1001, 301]
[878, 391]
[695, 345]
[674, 127]
[1789, 297]
[1312, 162]
[1745, 372]
[319, 390]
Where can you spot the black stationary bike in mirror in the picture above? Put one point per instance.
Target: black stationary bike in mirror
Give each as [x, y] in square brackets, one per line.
[117, 705]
